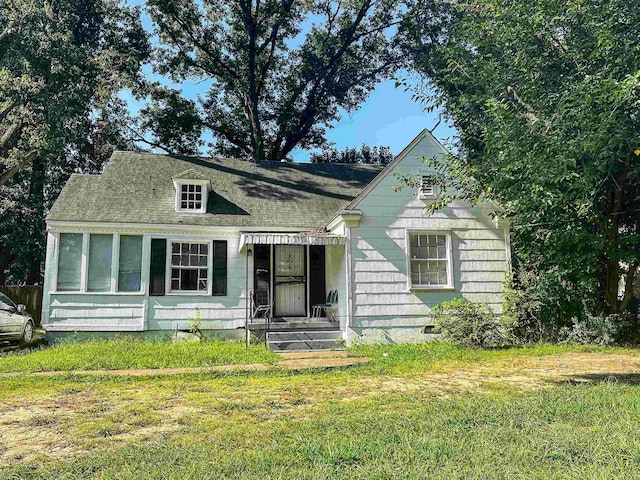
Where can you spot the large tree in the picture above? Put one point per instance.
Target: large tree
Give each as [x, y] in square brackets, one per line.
[545, 96]
[280, 71]
[62, 64]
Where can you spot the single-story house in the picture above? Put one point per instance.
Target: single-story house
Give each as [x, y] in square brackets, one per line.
[157, 241]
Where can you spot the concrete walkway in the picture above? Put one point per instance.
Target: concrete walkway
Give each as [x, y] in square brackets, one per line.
[292, 361]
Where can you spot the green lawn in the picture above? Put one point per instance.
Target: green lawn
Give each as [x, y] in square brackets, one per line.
[131, 353]
[414, 412]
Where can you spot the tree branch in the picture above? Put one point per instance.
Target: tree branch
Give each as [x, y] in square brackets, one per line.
[4, 113]
[9, 136]
[19, 166]
[141, 138]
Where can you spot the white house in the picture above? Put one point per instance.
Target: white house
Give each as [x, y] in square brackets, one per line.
[156, 241]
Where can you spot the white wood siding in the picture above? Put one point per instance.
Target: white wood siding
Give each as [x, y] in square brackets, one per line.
[384, 307]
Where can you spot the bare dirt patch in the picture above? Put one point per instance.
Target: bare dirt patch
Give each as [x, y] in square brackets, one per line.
[520, 374]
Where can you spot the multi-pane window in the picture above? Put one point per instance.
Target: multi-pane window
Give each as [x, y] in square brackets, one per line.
[430, 260]
[190, 197]
[102, 264]
[189, 266]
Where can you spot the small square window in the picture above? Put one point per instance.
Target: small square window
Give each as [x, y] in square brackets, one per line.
[191, 197]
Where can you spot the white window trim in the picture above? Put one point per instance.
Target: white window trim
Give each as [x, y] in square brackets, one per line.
[167, 280]
[450, 283]
[426, 196]
[84, 267]
[178, 183]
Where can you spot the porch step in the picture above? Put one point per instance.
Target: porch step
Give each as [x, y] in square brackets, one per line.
[305, 340]
[299, 326]
[306, 335]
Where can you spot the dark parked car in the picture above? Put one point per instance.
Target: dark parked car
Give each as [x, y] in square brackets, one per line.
[16, 325]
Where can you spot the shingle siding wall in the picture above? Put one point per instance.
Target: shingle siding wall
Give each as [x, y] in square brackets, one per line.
[384, 308]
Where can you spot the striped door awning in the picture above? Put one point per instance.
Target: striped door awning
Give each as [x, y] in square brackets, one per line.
[289, 239]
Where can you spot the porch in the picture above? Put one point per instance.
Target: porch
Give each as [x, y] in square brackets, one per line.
[294, 285]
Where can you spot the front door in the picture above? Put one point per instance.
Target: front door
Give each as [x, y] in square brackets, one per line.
[290, 281]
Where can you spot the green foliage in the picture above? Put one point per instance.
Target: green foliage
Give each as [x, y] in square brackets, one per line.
[61, 66]
[272, 88]
[195, 323]
[544, 96]
[366, 154]
[128, 352]
[467, 324]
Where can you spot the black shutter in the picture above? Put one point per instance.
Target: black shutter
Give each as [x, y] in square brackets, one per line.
[219, 286]
[317, 275]
[158, 266]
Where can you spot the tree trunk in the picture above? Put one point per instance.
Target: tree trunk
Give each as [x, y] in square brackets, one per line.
[37, 227]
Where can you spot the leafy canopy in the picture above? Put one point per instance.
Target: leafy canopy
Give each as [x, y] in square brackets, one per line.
[62, 64]
[279, 71]
[545, 95]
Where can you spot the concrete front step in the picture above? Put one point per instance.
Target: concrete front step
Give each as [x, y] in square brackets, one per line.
[298, 345]
[306, 340]
[298, 335]
[301, 326]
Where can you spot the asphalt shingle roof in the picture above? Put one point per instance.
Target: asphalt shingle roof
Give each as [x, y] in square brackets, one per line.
[138, 188]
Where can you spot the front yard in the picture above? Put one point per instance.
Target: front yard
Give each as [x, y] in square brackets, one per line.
[130, 353]
[428, 411]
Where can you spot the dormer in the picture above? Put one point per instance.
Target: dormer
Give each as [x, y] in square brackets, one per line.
[192, 191]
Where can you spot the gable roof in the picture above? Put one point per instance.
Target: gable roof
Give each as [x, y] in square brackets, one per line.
[138, 188]
[391, 165]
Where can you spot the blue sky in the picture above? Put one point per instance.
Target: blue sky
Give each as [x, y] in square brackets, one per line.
[390, 116]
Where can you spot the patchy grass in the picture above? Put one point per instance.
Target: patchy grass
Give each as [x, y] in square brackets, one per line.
[418, 412]
[132, 353]
[440, 355]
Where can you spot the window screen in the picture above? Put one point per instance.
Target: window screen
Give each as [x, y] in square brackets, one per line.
[69, 262]
[99, 270]
[130, 263]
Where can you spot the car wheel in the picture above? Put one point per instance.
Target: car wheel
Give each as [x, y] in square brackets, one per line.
[27, 334]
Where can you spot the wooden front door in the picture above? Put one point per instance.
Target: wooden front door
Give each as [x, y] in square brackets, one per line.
[290, 281]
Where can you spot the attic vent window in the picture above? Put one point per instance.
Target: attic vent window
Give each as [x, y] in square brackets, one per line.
[426, 187]
[191, 197]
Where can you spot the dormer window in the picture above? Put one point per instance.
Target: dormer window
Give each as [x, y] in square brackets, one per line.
[192, 189]
[190, 197]
[426, 187]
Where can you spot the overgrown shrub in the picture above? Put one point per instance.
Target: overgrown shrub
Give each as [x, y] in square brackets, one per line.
[467, 324]
[521, 315]
[600, 330]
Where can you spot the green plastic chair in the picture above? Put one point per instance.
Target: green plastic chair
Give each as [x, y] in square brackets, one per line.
[332, 300]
